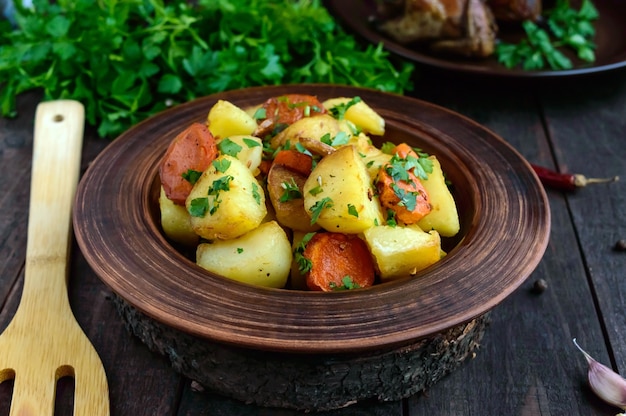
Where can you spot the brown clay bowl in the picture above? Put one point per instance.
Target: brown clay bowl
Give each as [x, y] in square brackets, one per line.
[505, 222]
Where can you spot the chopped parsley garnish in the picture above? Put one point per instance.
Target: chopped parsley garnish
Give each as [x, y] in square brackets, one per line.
[200, 206]
[388, 148]
[391, 218]
[398, 168]
[221, 165]
[353, 211]
[340, 139]
[256, 194]
[317, 190]
[260, 114]
[407, 199]
[346, 284]
[251, 143]
[304, 264]
[291, 191]
[339, 111]
[239, 250]
[192, 176]
[318, 207]
[229, 147]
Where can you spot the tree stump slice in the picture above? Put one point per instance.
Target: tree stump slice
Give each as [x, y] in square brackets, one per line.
[316, 382]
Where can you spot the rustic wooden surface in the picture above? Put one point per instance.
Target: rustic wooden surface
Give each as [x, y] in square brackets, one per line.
[526, 365]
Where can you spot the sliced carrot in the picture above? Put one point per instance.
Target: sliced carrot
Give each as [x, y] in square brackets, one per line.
[416, 204]
[264, 167]
[192, 150]
[338, 261]
[284, 110]
[295, 161]
[403, 150]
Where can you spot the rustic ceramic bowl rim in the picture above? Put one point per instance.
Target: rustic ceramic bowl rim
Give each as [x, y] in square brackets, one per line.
[123, 244]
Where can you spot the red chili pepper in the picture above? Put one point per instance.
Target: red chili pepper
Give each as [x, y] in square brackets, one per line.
[566, 181]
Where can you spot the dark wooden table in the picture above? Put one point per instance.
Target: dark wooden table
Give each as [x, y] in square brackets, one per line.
[527, 363]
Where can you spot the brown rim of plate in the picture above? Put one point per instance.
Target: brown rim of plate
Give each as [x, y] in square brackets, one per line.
[505, 221]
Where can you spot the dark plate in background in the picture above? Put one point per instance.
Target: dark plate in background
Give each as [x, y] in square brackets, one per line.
[610, 38]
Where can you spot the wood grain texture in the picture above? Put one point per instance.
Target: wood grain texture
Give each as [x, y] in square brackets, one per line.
[526, 364]
[504, 220]
[43, 342]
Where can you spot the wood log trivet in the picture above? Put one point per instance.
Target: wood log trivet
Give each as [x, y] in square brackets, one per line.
[308, 382]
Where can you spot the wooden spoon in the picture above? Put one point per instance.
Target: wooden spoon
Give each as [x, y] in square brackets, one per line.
[44, 342]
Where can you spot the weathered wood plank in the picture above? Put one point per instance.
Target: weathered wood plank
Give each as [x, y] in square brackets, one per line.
[527, 352]
[588, 126]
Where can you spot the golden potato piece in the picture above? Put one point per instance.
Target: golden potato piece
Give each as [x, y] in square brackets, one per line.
[226, 119]
[402, 251]
[260, 257]
[176, 222]
[314, 128]
[339, 195]
[361, 114]
[227, 201]
[443, 216]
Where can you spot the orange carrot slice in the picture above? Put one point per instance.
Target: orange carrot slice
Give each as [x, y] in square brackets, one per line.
[338, 261]
[407, 197]
[295, 161]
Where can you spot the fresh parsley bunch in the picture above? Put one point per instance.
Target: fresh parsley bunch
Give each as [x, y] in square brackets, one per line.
[564, 28]
[128, 59]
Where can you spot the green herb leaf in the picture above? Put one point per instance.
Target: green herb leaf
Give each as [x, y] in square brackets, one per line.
[353, 211]
[221, 165]
[291, 191]
[229, 147]
[255, 193]
[339, 111]
[542, 47]
[192, 176]
[318, 207]
[160, 54]
[346, 284]
[198, 207]
[304, 264]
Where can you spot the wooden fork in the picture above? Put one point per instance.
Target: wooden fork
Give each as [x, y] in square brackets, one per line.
[44, 342]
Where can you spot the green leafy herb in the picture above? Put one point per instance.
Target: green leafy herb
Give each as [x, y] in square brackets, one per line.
[304, 264]
[251, 143]
[256, 194]
[391, 218]
[318, 207]
[564, 28]
[127, 60]
[291, 191]
[340, 139]
[339, 111]
[211, 204]
[239, 250]
[221, 165]
[388, 148]
[316, 190]
[192, 176]
[229, 147]
[198, 207]
[353, 211]
[260, 114]
[346, 284]
[408, 199]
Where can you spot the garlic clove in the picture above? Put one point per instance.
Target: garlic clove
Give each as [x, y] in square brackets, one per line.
[605, 383]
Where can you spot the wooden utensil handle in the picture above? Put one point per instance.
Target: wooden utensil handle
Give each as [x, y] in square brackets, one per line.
[55, 171]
